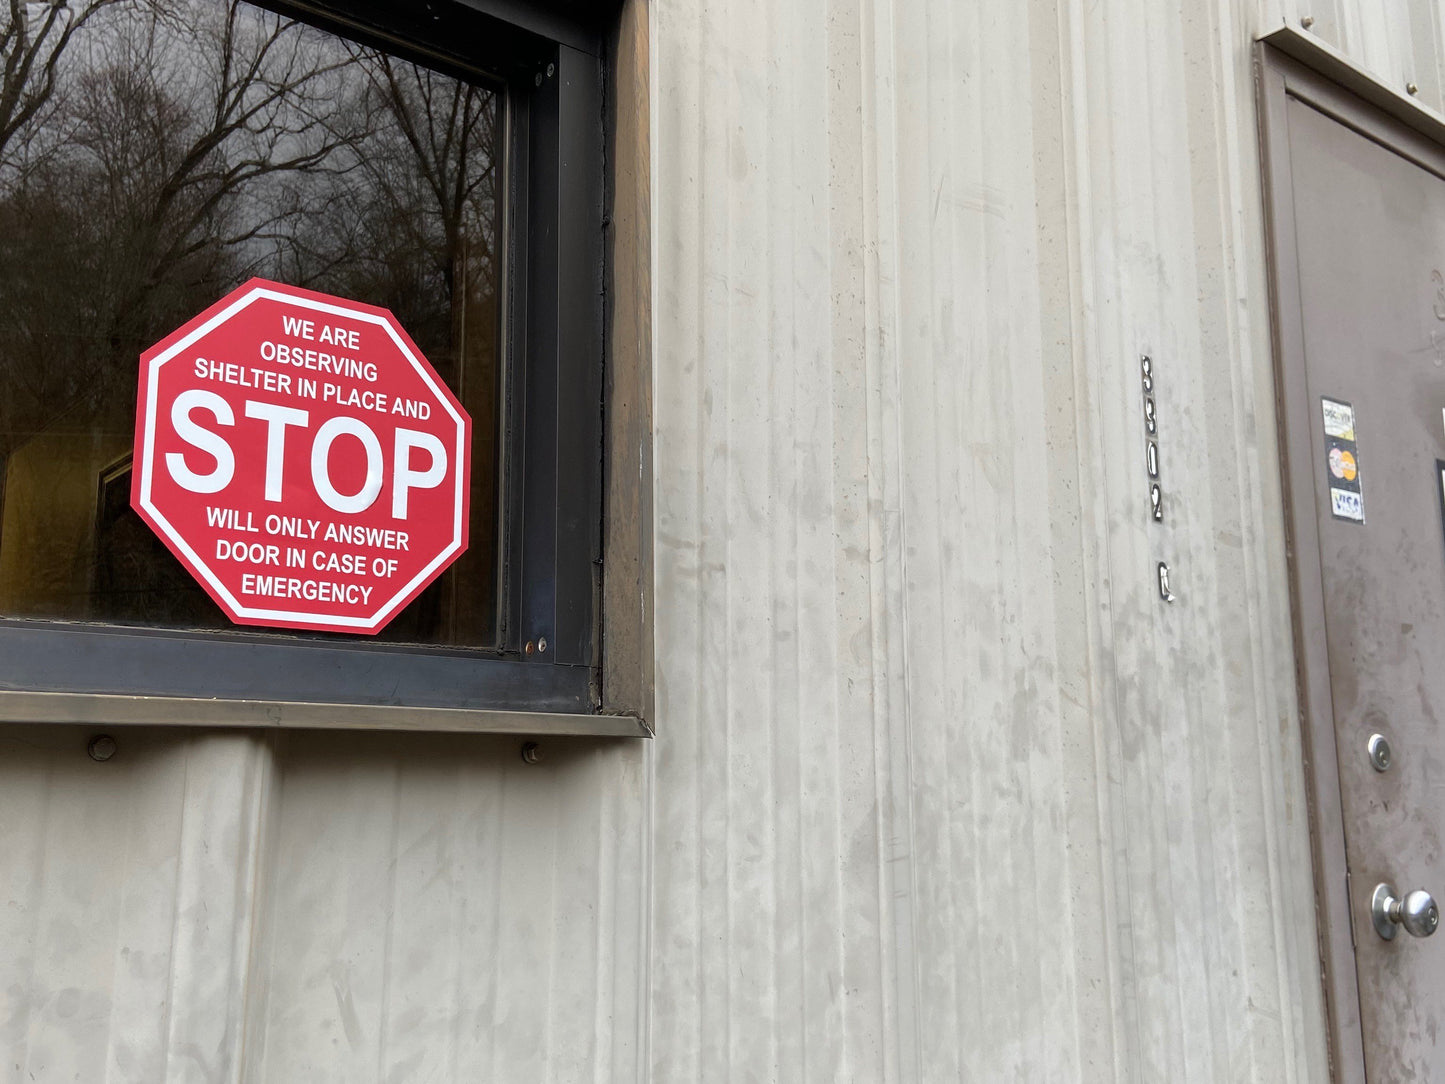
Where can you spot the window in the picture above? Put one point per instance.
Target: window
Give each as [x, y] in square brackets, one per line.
[441, 161]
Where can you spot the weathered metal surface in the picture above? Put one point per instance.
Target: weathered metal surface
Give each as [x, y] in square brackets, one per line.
[909, 255]
[214, 907]
[1369, 220]
[445, 911]
[627, 656]
[128, 900]
[913, 670]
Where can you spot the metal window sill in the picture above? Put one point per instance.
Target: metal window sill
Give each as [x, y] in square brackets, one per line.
[93, 709]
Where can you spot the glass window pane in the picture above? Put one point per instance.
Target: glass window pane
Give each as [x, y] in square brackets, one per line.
[181, 148]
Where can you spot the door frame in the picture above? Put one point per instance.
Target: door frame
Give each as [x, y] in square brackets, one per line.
[1292, 64]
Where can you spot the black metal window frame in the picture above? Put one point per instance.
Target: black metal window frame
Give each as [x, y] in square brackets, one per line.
[549, 68]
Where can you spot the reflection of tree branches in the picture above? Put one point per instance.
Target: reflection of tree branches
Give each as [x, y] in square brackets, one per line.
[268, 114]
[189, 144]
[185, 132]
[33, 41]
[412, 224]
[443, 135]
[449, 127]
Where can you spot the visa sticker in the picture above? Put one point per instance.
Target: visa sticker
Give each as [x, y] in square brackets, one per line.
[1347, 505]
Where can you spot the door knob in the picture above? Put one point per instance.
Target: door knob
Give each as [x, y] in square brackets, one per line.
[1417, 912]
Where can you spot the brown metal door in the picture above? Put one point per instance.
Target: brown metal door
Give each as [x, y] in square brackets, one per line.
[1363, 404]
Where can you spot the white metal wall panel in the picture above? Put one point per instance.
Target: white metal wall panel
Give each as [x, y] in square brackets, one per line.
[127, 905]
[941, 789]
[319, 907]
[438, 910]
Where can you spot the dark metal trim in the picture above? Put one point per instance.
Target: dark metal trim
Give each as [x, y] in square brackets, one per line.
[560, 456]
[464, 38]
[535, 560]
[139, 662]
[577, 452]
[577, 24]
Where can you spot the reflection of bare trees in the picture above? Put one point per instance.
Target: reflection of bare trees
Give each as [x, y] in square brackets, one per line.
[449, 127]
[33, 41]
[413, 223]
[188, 145]
[192, 167]
[162, 126]
[155, 153]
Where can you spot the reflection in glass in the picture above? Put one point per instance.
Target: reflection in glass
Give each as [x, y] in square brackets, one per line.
[154, 154]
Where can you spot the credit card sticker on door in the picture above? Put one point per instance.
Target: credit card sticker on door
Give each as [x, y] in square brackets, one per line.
[1342, 461]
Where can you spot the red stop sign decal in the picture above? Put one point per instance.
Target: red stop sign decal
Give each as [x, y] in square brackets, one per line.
[301, 458]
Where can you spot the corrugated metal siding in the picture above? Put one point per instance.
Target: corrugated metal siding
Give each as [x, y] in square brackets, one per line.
[941, 790]
[439, 910]
[319, 907]
[128, 902]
